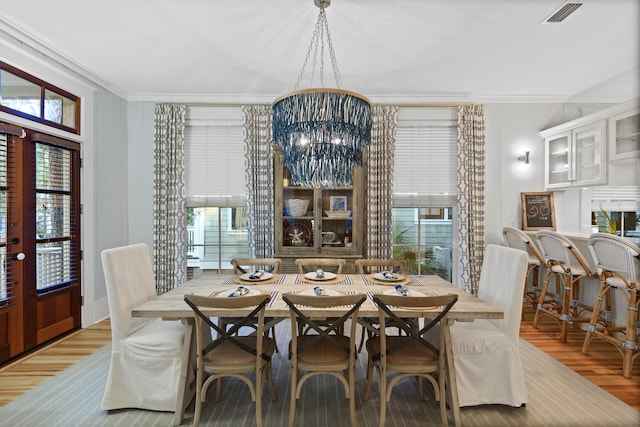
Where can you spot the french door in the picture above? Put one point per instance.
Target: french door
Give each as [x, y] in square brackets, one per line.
[40, 292]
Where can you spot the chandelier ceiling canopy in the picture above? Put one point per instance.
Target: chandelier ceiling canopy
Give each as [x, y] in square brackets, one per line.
[321, 131]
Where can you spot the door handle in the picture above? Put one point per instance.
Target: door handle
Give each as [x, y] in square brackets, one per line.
[19, 256]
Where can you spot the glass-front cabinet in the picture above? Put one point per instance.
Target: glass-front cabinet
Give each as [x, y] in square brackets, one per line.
[317, 222]
[624, 135]
[577, 156]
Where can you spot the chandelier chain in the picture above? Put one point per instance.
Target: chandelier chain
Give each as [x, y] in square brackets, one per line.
[318, 38]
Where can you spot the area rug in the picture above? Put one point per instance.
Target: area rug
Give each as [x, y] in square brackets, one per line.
[558, 397]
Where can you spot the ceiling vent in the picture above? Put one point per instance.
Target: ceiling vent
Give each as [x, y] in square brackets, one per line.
[561, 13]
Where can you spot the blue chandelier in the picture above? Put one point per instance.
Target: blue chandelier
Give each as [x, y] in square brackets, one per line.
[322, 132]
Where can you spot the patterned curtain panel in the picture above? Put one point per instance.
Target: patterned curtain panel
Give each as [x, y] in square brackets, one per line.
[259, 172]
[379, 183]
[470, 155]
[169, 197]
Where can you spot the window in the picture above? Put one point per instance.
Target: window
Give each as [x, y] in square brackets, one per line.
[216, 236]
[616, 210]
[56, 239]
[425, 190]
[216, 190]
[29, 97]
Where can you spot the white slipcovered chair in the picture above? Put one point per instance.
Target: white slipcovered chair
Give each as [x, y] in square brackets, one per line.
[146, 354]
[486, 352]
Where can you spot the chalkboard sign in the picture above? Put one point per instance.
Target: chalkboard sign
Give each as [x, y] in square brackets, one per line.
[537, 211]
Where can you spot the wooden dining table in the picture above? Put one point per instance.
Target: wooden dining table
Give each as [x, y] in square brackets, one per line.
[171, 306]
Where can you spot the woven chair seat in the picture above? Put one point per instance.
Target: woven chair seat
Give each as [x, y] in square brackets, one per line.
[410, 354]
[322, 352]
[230, 355]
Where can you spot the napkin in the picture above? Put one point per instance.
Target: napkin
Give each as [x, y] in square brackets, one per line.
[240, 291]
[319, 291]
[258, 274]
[402, 290]
[389, 275]
[319, 274]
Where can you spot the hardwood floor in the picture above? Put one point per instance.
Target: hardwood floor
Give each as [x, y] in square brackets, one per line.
[602, 367]
[35, 368]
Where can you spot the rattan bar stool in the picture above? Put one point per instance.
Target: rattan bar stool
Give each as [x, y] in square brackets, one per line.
[567, 266]
[618, 268]
[518, 239]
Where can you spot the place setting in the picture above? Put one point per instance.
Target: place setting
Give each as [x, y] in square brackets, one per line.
[389, 278]
[258, 277]
[324, 277]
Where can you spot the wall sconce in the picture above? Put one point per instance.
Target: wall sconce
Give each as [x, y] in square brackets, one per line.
[524, 158]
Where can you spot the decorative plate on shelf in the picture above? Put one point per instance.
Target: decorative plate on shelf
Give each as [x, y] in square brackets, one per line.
[297, 234]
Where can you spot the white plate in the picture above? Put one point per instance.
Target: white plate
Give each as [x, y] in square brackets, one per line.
[328, 292]
[265, 276]
[327, 276]
[379, 276]
[411, 293]
[228, 292]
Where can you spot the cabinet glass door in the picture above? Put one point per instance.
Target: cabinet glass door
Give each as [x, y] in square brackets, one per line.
[589, 154]
[625, 135]
[558, 149]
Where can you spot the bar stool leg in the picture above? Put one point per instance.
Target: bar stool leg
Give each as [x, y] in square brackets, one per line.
[591, 329]
[630, 346]
[543, 292]
[565, 314]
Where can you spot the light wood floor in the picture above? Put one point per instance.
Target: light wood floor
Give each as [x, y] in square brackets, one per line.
[30, 371]
[602, 367]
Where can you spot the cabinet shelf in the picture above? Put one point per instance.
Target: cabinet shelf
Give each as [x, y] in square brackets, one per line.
[320, 200]
[626, 138]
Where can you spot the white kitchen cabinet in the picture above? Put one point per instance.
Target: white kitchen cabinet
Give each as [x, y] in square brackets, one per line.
[576, 156]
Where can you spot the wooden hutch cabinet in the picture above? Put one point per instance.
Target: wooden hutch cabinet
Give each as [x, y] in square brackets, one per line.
[331, 225]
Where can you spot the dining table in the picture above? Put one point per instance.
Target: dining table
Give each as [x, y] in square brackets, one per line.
[171, 306]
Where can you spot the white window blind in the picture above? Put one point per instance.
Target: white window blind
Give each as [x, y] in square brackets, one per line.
[425, 157]
[214, 157]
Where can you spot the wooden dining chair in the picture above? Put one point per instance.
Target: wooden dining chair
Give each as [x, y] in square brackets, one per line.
[231, 355]
[370, 266]
[327, 352]
[306, 265]
[245, 265]
[618, 264]
[409, 355]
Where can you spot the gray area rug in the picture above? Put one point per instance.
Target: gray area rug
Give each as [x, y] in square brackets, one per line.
[557, 397]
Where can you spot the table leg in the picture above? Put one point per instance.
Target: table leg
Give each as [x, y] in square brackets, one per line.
[186, 387]
[451, 377]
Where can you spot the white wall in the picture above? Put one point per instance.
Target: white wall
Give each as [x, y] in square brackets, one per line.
[110, 192]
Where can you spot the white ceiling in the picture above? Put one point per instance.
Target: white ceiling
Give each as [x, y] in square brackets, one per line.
[388, 50]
